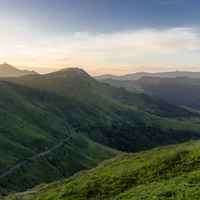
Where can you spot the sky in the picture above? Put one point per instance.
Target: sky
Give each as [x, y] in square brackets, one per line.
[101, 36]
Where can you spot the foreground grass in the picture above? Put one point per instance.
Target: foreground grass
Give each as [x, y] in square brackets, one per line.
[183, 187]
[172, 172]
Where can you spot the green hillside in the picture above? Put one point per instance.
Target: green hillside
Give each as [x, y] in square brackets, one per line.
[163, 173]
[63, 160]
[76, 83]
[33, 122]
[54, 125]
[119, 119]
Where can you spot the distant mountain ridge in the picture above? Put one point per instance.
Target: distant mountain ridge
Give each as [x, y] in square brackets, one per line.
[138, 75]
[179, 91]
[7, 70]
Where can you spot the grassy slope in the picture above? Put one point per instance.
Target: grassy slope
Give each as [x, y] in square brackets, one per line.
[163, 173]
[118, 104]
[33, 120]
[73, 155]
[104, 99]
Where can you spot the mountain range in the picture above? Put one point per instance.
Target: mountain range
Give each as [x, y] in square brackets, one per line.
[54, 125]
[182, 91]
[7, 70]
[138, 75]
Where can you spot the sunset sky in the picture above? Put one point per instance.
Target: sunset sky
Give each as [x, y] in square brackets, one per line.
[101, 36]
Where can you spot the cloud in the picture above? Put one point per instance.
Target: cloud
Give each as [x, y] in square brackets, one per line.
[146, 48]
